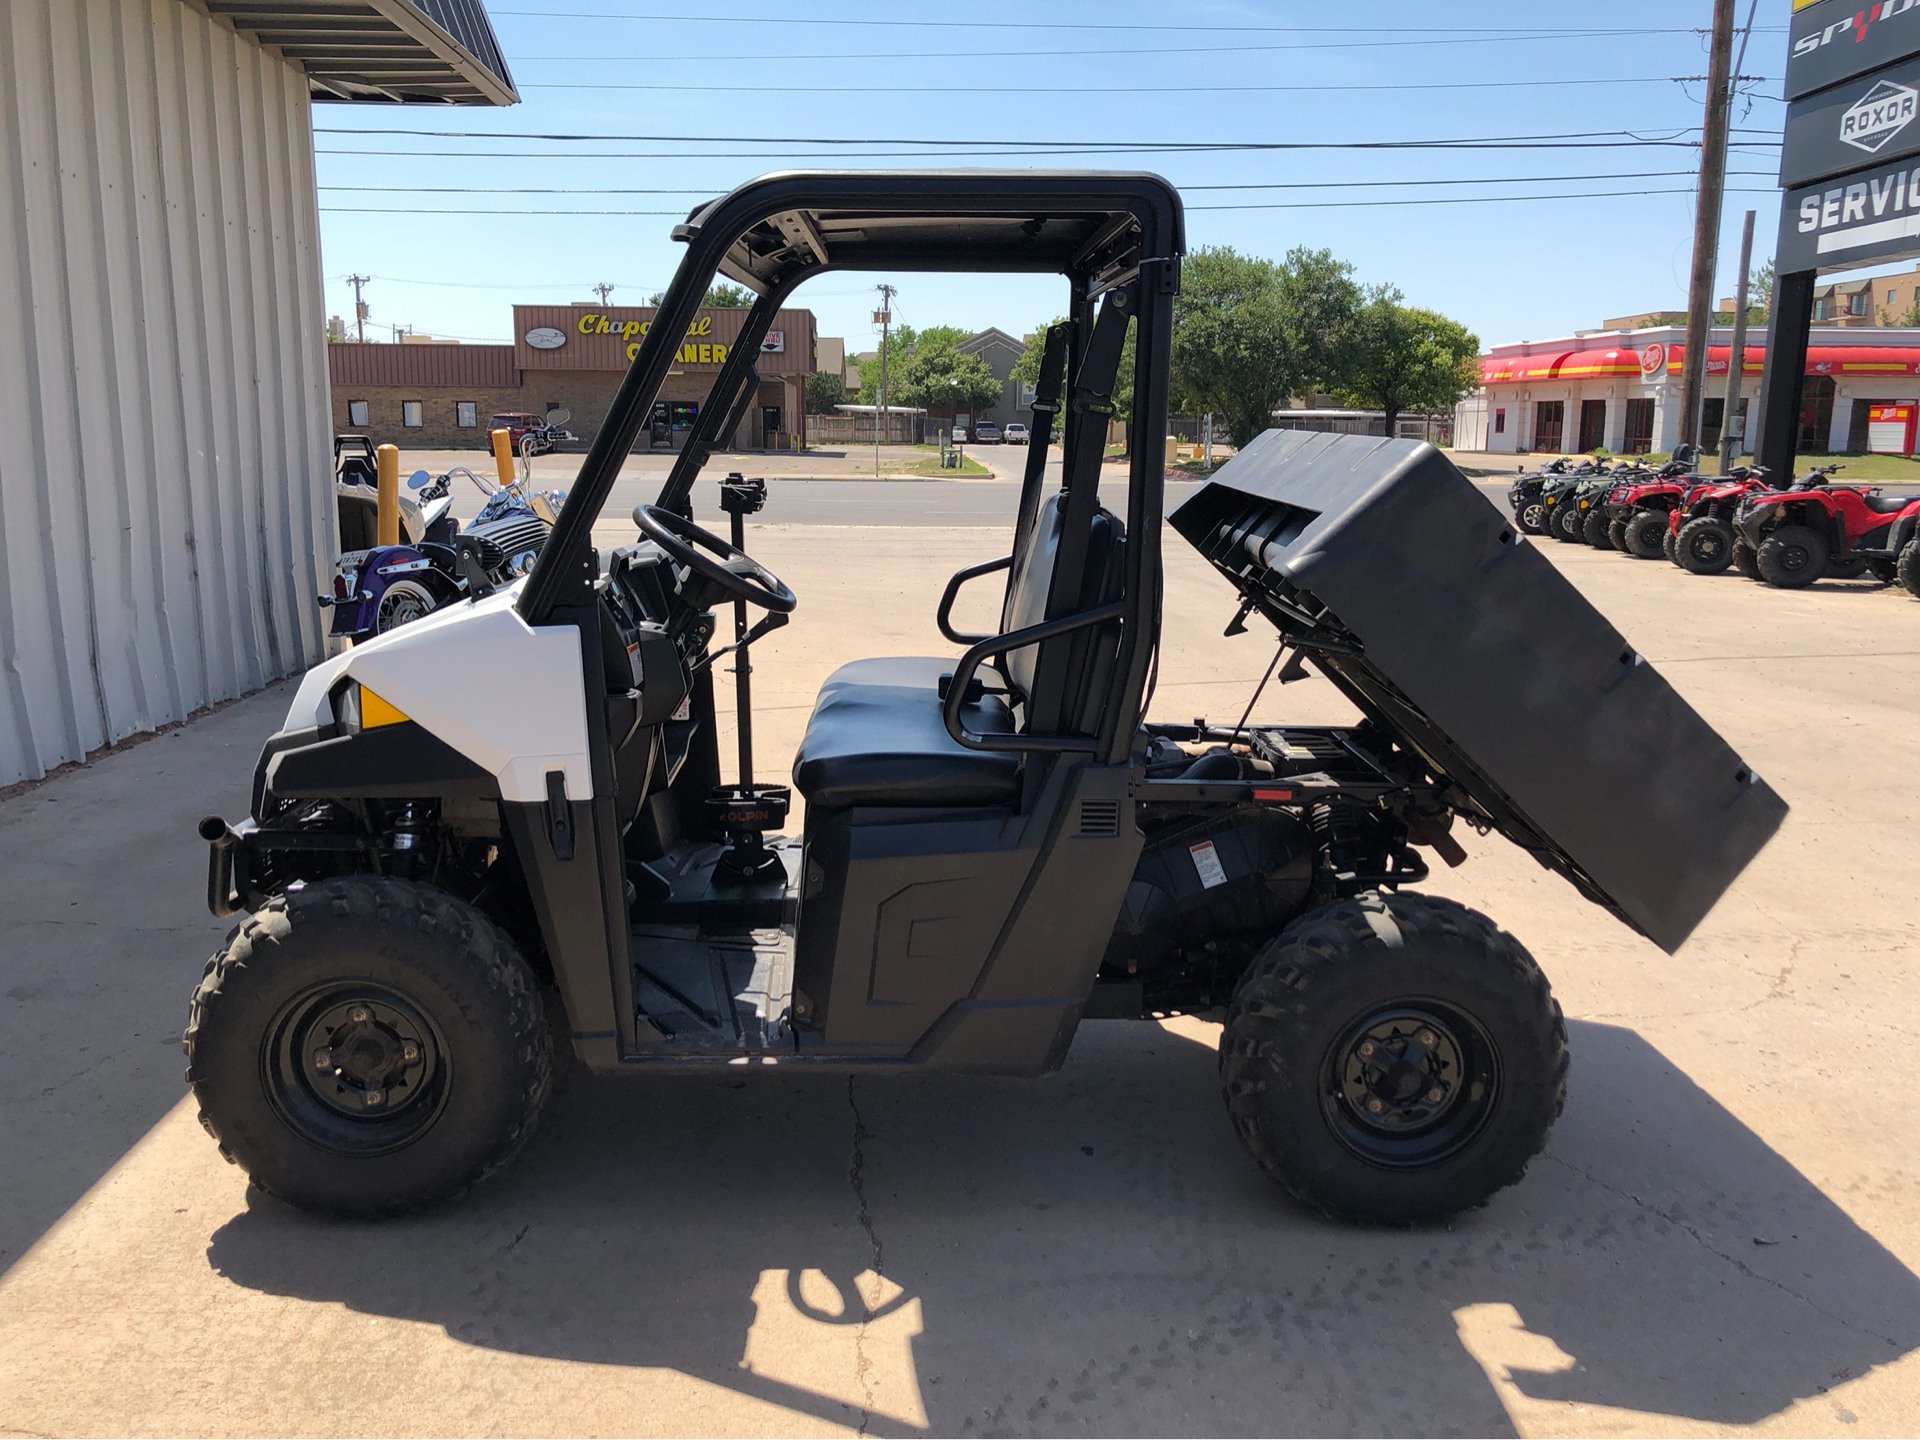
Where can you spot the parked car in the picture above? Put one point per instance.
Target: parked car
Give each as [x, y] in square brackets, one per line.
[1015, 434]
[987, 433]
[959, 434]
[544, 431]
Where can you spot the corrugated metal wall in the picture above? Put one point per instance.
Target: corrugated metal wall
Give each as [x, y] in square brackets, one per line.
[165, 496]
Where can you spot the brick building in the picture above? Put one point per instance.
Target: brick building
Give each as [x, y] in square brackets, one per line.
[568, 357]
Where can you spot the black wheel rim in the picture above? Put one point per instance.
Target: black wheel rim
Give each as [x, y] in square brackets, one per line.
[1409, 1085]
[355, 1067]
[1794, 557]
[1708, 546]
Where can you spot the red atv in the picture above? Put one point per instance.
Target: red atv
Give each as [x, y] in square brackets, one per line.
[1700, 538]
[1637, 514]
[1845, 531]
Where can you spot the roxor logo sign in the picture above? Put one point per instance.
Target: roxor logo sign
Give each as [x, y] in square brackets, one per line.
[1879, 115]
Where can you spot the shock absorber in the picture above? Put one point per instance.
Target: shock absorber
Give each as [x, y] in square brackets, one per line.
[1340, 830]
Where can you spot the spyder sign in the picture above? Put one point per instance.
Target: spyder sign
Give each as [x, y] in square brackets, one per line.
[1879, 115]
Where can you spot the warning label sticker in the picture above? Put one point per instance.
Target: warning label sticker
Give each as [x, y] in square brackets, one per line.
[1206, 860]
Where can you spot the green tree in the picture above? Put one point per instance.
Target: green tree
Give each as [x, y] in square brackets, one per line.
[1400, 357]
[1760, 287]
[824, 391]
[897, 355]
[719, 297]
[937, 373]
[1248, 333]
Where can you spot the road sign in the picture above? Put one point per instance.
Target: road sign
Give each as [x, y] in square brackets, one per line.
[1872, 214]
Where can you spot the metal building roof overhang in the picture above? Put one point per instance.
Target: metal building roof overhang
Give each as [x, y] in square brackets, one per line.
[419, 52]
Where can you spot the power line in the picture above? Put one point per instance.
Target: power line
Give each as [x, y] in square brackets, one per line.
[1078, 146]
[863, 22]
[1211, 89]
[1278, 205]
[1184, 189]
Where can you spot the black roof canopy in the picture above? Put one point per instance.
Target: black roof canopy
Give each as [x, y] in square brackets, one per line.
[435, 52]
[1099, 224]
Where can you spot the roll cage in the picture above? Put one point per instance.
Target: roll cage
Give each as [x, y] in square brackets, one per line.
[1116, 237]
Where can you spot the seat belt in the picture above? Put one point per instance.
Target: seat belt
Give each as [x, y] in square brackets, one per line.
[1090, 408]
[1046, 405]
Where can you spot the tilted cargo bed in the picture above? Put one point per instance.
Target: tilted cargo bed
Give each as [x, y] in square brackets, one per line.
[1423, 603]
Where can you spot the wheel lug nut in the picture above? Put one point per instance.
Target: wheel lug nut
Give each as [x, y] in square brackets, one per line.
[374, 1097]
[409, 1052]
[359, 1015]
[1376, 1106]
[323, 1059]
[1436, 1095]
[1427, 1037]
[1366, 1049]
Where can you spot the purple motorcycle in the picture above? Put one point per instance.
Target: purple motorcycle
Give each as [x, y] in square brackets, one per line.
[378, 587]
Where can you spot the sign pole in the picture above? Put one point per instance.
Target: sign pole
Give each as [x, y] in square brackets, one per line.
[1737, 357]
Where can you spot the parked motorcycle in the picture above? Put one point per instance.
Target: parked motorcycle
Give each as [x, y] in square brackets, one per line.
[376, 587]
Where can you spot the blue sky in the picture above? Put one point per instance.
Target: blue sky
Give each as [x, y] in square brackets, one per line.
[1511, 270]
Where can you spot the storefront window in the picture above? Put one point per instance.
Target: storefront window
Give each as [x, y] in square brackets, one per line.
[1500, 420]
[413, 414]
[356, 412]
[466, 414]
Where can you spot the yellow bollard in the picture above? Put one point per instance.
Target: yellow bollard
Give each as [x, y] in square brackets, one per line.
[386, 527]
[503, 455]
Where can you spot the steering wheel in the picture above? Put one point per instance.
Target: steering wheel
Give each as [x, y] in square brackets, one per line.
[712, 558]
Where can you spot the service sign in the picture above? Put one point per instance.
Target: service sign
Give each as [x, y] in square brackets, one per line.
[1857, 218]
[1873, 117]
[1836, 40]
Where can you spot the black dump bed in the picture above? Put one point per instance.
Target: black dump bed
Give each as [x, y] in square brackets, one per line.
[1421, 601]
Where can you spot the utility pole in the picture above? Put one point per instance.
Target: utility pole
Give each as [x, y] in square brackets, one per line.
[885, 317]
[1706, 222]
[359, 306]
[603, 290]
[1737, 358]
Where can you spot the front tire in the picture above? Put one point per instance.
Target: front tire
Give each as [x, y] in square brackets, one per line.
[1793, 557]
[1907, 567]
[1594, 529]
[1563, 523]
[1705, 547]
[1393, 1059]
[1532, 518]
[1647, 534]
[1745, 560]
[367, 1047]
[1617, 533]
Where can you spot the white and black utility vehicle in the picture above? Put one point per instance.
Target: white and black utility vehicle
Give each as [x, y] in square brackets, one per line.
[998, 844]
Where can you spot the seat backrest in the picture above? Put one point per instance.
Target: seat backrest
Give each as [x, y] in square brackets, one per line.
[1087, 654]
[359, 529]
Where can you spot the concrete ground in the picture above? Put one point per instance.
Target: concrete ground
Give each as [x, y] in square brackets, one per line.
[1722, 1236]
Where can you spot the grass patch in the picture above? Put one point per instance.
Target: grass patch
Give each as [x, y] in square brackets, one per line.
[928, 466]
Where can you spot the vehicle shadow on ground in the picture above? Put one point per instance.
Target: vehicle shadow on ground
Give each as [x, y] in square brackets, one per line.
[1095, 1253]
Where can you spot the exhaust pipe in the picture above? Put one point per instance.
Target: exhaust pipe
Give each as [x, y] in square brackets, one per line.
[221, 839]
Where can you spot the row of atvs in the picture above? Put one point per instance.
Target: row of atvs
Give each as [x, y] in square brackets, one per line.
[438, 561]
[1788, 533]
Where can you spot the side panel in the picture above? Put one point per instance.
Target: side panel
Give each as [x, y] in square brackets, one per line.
[966, 943]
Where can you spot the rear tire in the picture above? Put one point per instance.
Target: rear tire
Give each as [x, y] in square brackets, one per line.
[367, 1047]
[1532, 518]
[1563, 523]
[1670, 547]
[1393, 1059]
[1617, 534]
[1907, 567]
[1704, 547]
[1594, 529]
[1745, 560]
[1647, 534]
[1793, 557]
